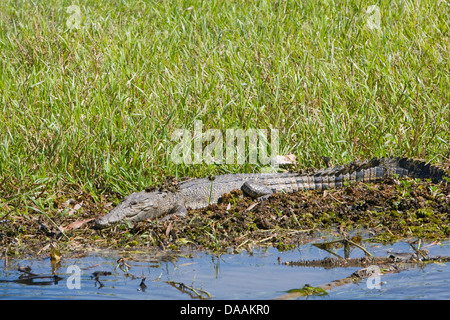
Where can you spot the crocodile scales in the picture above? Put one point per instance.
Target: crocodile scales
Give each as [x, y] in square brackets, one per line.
[199, 193]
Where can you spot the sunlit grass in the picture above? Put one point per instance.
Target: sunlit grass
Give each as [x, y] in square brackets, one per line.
[94, 108]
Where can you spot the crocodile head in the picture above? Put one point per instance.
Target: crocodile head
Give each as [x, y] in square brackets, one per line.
[137, 206]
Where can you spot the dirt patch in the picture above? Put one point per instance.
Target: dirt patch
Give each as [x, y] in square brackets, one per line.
[386, 211]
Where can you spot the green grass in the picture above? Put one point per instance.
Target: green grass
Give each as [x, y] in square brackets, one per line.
[94, 108]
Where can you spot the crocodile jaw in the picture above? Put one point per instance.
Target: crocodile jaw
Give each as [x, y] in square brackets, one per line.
[136, 204]
[109, 219]
[120, 213]
[139, 206]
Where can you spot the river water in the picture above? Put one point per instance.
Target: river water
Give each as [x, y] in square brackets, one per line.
[193, 275]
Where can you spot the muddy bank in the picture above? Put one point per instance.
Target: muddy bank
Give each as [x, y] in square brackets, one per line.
[385, 211]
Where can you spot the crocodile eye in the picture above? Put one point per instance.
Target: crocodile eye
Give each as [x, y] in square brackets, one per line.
[133, 203]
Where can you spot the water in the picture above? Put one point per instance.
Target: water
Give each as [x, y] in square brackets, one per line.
[231, 276]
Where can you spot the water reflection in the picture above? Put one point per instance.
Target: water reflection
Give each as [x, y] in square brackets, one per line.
[263, 274]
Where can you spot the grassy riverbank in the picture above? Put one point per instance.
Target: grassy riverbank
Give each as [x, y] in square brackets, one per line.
[90, 99]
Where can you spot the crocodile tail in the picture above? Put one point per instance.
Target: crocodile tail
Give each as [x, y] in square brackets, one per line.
[373, 170]
[404, 167]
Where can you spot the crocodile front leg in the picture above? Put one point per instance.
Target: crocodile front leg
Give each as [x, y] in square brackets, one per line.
[178, 210]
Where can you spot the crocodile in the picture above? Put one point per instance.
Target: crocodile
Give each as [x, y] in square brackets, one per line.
[199, 193]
